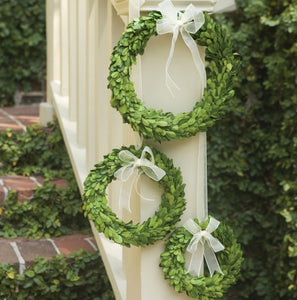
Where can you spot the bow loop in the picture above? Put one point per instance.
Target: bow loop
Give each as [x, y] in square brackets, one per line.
[187, 22]
[203, 245]
[135, 166]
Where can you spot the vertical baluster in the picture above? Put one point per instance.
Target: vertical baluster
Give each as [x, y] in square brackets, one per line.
[46, 111]
[64, 48]
[92, 79]
[82, 72]
[73, 60]
[53, 43]
[108, 123]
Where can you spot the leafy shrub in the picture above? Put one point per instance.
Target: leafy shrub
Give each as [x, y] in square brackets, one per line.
[77, 276]
[253, 152]
[52, 211]
[41, 150]
[22, 51]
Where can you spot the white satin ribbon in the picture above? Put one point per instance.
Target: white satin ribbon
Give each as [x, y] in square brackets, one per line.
[131, 172]
[203, 245]
[187, 22]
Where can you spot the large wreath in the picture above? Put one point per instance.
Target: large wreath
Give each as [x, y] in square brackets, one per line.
[159, 125]
[201, 287]
[155, 228]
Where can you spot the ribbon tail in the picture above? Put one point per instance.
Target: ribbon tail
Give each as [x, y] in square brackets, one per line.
[138, 191]
[168, 80]
[195, 267]
[199, 64]
[211, 260]
[125, 193]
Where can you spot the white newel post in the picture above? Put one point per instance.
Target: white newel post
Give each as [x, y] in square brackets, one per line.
[80, 37]
[145, 279]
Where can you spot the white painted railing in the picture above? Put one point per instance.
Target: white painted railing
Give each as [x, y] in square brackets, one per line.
[80, 38]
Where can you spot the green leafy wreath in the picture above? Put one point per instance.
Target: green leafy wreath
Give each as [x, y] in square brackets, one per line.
[201, 287]
[157, 125]
[153, 229]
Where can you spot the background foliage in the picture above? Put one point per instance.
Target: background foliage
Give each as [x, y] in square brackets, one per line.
[52, 211]
[22, 51]
[253, 152]
[77, 276]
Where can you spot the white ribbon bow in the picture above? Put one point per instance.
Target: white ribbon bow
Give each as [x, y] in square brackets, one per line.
[187, 22]
[203, 244]
[135, 166]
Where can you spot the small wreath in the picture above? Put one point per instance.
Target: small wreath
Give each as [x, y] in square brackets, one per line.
[201, 287]
[157, 125]
[153, 229]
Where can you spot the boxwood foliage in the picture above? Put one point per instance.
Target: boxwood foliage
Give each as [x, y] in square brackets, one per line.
[80, 275]
[253, 151]
[22, 51]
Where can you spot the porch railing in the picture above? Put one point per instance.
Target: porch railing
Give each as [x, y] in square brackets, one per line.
[80, 38]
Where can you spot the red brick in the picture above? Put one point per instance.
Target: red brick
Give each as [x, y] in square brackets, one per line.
[22, 184]
[27, 115]
[2, 193]
[7, 254]
[30, 249]
[22, 110]
[60, 183]
[69, 243]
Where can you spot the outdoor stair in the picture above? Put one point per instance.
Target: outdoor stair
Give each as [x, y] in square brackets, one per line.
[20, 251]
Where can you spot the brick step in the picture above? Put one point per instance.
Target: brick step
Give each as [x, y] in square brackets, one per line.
[22, 252]
[24, 186]
[18, 117]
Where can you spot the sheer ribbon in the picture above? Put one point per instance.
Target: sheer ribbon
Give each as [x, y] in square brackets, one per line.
[203, 245]
[131, 172]
[187, 22]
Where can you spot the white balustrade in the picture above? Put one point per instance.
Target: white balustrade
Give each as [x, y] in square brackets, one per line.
[80, 38]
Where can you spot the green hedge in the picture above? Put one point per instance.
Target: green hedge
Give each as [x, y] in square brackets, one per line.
[253, 152]
[22, 50]
[80, 275]
[52, 211]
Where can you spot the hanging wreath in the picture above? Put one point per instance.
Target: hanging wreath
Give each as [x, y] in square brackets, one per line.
[172, 200]
[159, 125]
[202, 287]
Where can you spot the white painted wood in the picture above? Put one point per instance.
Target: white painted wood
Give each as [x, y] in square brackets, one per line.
[52, 43]
[205, 5]
[46, 113]
[81, 23]
[72, 58]
[111, 252]
[225, 6]
[91, 128]
[212, 6]
[92, 78]
[184, 153]
[64, 47]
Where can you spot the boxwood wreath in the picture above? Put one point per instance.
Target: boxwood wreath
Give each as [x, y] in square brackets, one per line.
[201, 287]
[153, 229]
[157, 125]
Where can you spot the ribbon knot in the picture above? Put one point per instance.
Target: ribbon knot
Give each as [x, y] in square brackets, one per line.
[187, 23]
[131, 172]
[203, 245]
